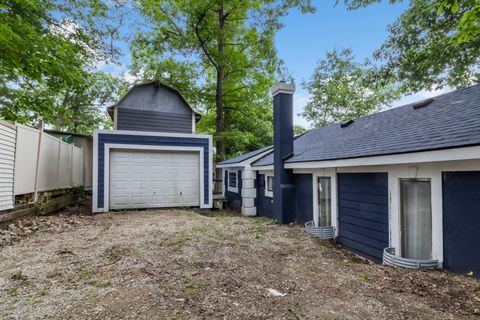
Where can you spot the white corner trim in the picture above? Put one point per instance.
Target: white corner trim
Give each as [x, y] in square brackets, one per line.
[193, 123]
[95, 174]
[106, 182]
[465, 153]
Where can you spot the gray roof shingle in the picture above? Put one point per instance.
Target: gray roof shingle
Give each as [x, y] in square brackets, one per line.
[450, 120]
[245, 156]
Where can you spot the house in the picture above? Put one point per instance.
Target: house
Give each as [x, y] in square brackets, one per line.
[400, 186]
[152, 158]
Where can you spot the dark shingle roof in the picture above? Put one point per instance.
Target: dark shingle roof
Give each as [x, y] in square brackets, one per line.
[450, 120]
[245, 156]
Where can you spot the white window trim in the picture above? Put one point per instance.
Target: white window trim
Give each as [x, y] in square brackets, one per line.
[229, 188]
[332, 174]
[268, 193]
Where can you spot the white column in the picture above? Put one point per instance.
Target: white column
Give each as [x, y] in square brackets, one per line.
[248, 192]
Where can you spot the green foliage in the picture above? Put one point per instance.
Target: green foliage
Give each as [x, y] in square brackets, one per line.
[342, 89]
[78, 107]
[298, 130]
[48, 53]
[434, 43]
[221, 55]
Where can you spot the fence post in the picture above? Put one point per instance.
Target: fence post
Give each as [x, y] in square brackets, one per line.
[37, 161]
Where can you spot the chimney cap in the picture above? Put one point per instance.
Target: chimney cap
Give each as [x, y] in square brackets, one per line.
[283, 87]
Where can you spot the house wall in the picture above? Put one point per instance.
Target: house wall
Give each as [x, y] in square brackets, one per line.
[234, 197]
[303, 197]
[432, 171]
[155, 109]
[151, 139]
[153, 121]
[263, 203]
[8, 135]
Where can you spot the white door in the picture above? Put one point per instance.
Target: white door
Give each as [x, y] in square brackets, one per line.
[154, 179]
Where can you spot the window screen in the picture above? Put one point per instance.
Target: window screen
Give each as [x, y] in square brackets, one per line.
[416, 215]
[232, 179]
[324, 201]
[269, 183]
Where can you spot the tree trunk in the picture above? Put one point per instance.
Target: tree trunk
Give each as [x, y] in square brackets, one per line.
[220, 116]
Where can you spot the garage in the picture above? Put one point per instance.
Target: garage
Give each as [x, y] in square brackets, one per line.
[363, 213]
[140, 170]
[154, 179]
[461, 221]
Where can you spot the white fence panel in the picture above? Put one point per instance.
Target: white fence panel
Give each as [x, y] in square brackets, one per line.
[7, 164]
[78, 159]
[65, 165]
[48, 163]
[60, 165]
[26, 152]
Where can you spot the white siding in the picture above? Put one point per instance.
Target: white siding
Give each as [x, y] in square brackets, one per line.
[7, 164]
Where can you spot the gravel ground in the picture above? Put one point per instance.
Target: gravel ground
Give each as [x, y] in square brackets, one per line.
[179, 264]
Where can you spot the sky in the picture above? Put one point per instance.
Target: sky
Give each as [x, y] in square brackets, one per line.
[305, 39]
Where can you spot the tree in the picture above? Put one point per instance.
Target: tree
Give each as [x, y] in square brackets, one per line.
[434, 43]
[298, 130]
[78, 107]
[341, 89]
[230, 45]
[48, 54]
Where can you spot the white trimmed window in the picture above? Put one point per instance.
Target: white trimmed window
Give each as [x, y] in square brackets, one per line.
[232, 181]
[269, 186]
[416, 218]
[324, 201]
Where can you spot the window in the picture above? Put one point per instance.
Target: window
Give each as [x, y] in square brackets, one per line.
[416, 218]
[269, 186]
[232, 181]
[269, 183]
[324, 202]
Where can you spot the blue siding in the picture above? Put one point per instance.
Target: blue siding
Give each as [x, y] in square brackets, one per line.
[234, 198]
[303, 197]
[461, 222]
[264, 204]
[150, 141]
[363, 213]
[146, 120]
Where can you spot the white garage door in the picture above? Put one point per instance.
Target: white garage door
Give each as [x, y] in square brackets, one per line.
[154, 179]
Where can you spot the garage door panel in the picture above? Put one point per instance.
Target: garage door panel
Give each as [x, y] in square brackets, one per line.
[363, 213]
[149, 179]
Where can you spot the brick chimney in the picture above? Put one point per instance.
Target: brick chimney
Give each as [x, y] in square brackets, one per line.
[283, 186]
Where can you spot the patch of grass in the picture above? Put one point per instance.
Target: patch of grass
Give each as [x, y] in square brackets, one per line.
[14, 292]
[364, 277]
[298, 314]
[116, 252]
[85, 273]
[102, 282]
[194, 288]
[177, 244]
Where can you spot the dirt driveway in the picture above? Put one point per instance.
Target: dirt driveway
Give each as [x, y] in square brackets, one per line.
[174, 264]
